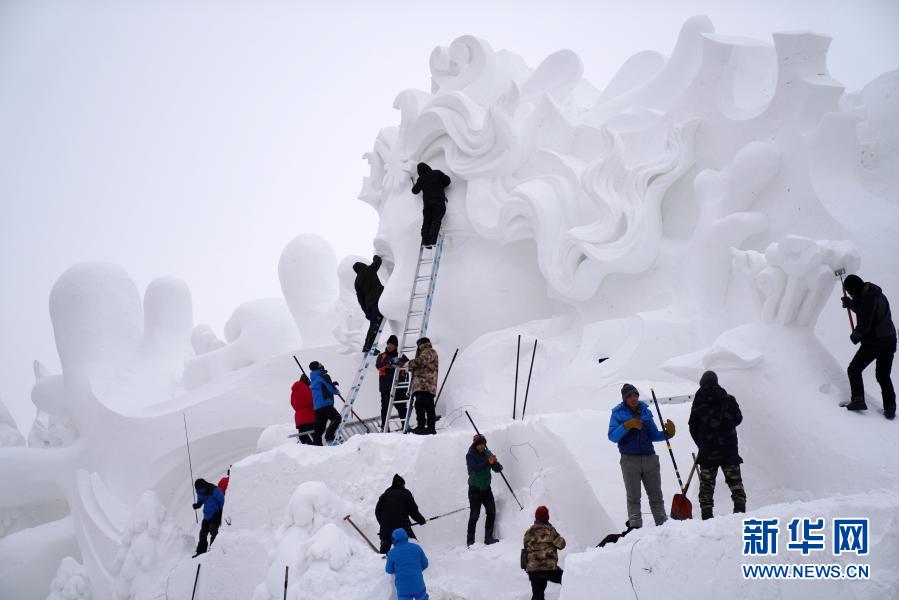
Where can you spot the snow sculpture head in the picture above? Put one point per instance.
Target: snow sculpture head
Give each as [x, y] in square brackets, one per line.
[561, 193]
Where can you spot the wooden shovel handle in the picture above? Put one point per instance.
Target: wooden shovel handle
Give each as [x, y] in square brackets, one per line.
[690, 476]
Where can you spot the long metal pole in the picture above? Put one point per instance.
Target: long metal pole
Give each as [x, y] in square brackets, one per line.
[528, 388]
[515, 397]
[445, 377]
[196, 578]
[503, 475]
[191, 466]
[285, 581]
[670, 451]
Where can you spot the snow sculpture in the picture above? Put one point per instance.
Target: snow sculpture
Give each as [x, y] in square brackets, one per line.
[307, 270]
[71, 582]
[9, 433]
[258, 329]
[314, 543]
[795, 277]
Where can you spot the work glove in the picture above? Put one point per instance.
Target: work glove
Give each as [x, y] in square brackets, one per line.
[853, 338]
[635, 423]
[491, 459]
[197, 505]
[669, 428]
[847, 301]
[422, 522]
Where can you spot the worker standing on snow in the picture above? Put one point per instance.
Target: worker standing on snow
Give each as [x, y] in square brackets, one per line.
[631, 426]
[393, 510]
[542, 544]
[368, 293]
[327, 419]
[875, 331]
[714, 417]
[406, 562]
[431, 184]
[386, 364]
[304, 410]
[424, 386]
[212, 500]
[480, 462]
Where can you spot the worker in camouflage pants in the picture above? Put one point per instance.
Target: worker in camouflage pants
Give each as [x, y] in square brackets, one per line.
[713, 425]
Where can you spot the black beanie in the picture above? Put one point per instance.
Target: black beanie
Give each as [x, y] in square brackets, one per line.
[627, 389]
[398, 481]
[708, 378]
[392, 340]
[423, 340]
[315, 365]
[853, 284]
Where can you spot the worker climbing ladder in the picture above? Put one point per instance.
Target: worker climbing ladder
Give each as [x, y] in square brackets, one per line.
[346, 430]
[417, 316]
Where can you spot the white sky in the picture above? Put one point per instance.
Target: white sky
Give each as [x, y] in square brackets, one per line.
[196, 139]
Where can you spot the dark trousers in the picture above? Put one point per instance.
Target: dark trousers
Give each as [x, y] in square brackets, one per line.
[209, 527]
[432, 216]
[477, 499]
[424, 411]
[539, 580]
[374, 322]
[387, 540]
[327, 420]
[305, 433]
[868, 352]
[399, 403]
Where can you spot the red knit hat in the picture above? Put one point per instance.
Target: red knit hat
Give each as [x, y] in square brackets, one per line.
[542, 513]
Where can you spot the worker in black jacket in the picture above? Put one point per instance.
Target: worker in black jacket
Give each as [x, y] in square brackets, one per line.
[368, 293]
[876, 334]
[393, 510]
[431, 184]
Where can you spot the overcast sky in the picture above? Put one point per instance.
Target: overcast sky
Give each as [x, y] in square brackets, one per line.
[196, 139]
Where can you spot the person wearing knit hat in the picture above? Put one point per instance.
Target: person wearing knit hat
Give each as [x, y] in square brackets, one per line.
[876, 334]
[480, 462]
[632, 427]
[393, 510]
[541, 546]
[386, 364]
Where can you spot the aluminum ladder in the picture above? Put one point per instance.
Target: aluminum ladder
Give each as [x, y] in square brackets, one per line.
[421, 299]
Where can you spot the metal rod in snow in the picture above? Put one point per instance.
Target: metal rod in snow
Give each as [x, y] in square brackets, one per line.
[300, 366]
[527, 390]
[360, 532]
[515, 397]
[191, 466]
[445, 376]
[196, 578]
[503, 475]
[285, 581]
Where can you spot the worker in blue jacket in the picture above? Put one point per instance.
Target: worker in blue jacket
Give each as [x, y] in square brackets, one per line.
[211, 498]
[327, 419]
[631, 427]
[406, 562]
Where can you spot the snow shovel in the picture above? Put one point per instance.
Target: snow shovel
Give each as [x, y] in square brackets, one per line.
[681, 507]
[676, 511]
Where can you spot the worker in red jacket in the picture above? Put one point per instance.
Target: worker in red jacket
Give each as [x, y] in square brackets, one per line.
[304, 413]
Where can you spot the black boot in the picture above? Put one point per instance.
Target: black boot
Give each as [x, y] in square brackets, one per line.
[739, 507]
[857, 403]
[707, 513]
